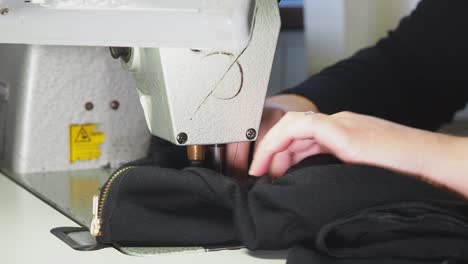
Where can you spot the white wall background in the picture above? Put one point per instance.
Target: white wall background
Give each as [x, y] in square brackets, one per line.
[335, 29]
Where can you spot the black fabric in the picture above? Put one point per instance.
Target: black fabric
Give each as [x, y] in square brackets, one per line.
[416, 76]
[302, 255]
[339, 212]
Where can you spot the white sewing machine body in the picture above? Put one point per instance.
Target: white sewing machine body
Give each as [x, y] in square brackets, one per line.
[200, 24]
[201, 69]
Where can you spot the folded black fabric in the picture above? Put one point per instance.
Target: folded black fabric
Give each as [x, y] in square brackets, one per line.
[345, 212]
[302, 255]
[404, 230]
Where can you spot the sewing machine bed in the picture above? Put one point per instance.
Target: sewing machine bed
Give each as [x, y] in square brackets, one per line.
[325, 202]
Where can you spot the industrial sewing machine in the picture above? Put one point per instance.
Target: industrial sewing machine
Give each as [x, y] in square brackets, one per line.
[69, 113]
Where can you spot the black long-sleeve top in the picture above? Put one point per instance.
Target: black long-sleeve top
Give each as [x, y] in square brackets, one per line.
[417, 75]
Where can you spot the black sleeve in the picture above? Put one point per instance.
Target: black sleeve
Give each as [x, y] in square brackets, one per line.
[417, 76]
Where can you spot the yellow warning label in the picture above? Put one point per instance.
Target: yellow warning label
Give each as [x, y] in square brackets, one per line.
[82, 136]
[85, 142]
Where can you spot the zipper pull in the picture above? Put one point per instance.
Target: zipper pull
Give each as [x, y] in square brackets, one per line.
[95, 228]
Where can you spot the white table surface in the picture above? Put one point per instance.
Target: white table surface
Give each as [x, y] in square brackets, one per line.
[26, 221]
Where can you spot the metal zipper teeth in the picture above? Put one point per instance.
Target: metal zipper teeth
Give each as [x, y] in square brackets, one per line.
[97, 219]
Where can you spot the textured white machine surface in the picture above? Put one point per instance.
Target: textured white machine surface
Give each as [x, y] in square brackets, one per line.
[49, 86]
[25, 222]
[140, 23]
[214, 96]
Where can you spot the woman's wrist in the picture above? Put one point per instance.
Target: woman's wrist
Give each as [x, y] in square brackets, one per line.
[291, 103]
[446, 162]
[432, 156]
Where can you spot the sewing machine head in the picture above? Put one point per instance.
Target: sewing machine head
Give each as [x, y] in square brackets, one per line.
[206, 94]
[201, 70]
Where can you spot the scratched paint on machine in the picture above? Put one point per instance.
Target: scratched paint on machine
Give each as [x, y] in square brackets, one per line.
[85, 141]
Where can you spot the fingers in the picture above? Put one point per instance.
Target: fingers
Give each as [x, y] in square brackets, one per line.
[280, 163]
[300, 156]
[296, 152]
[237, 154]
[294, 126]
[301, 145]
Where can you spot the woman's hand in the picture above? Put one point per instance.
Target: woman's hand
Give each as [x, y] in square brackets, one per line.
[237, 154]
[361, 139]
[351, 137]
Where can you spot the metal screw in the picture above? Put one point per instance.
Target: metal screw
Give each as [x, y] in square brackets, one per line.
[251, 134]
[121, 52]
[89, 106]
[182, 138]
[115, 105]
[4, 11]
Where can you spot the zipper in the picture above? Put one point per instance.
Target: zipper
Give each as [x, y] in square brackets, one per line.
[100, 200]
